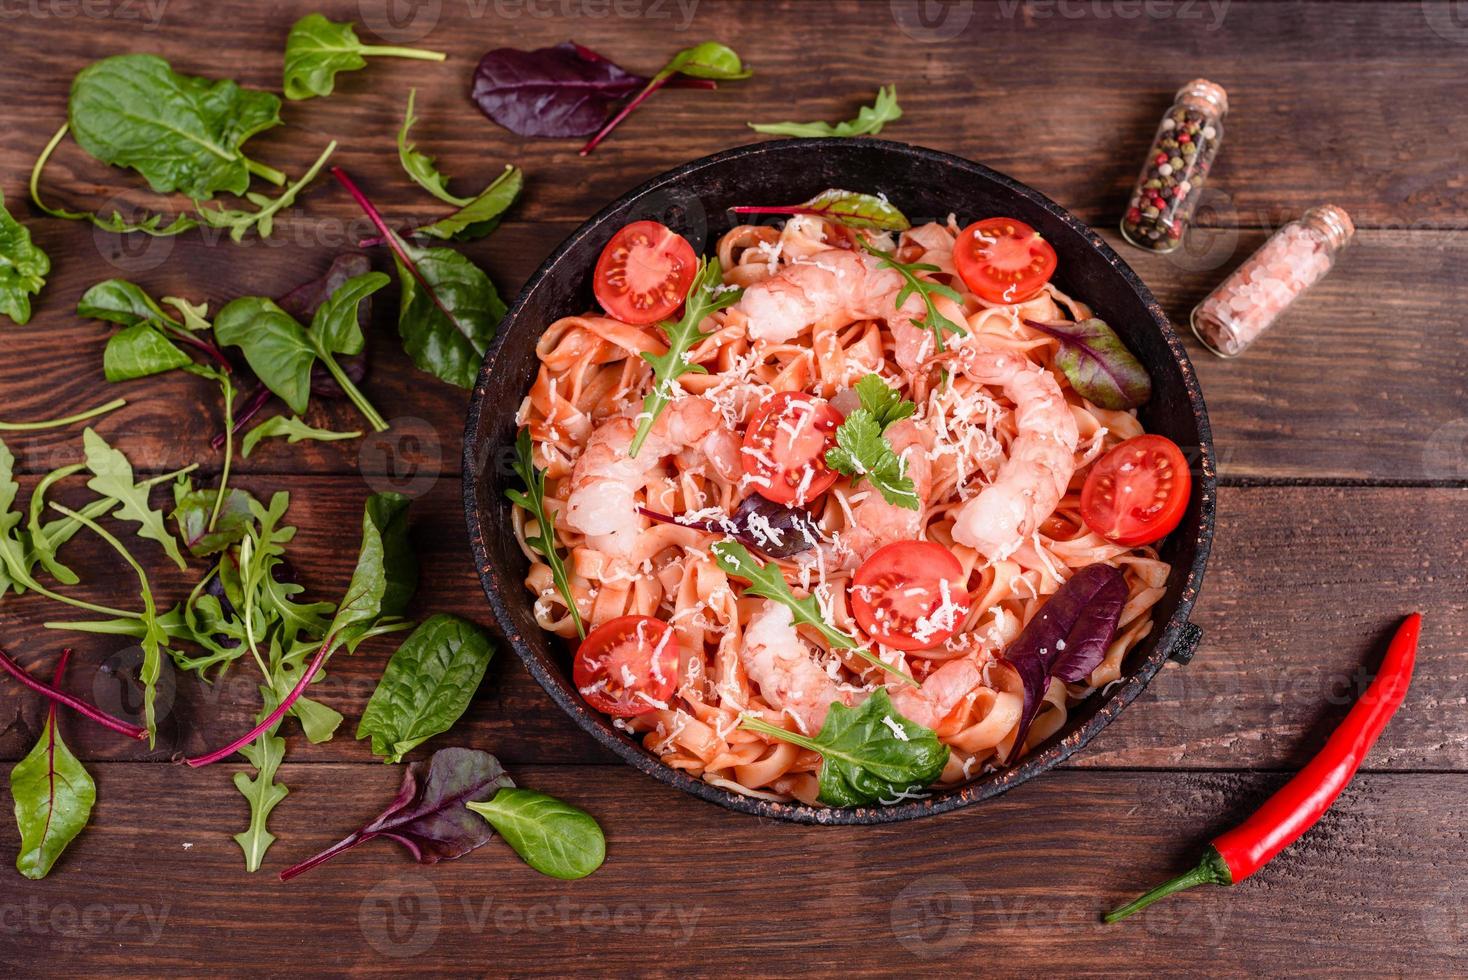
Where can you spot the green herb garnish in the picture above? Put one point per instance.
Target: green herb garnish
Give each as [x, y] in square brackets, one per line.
[868, 122]
[862, 450]
[532, 499]
[935, 321]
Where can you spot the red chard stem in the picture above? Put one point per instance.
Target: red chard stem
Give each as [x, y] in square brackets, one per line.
[637, 100]
[75, 704]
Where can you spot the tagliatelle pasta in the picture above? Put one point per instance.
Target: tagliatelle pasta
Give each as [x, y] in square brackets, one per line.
[993, 416]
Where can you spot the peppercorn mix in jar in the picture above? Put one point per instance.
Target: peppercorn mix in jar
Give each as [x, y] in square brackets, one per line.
[1167, 193]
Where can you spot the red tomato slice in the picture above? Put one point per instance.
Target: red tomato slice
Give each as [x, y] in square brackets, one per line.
[627, 666]
[784, 453]
[1136, 494]
[1003, 260]
[644, 273]
[910, 595]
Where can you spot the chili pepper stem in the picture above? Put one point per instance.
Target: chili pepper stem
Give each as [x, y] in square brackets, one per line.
[1212, 870]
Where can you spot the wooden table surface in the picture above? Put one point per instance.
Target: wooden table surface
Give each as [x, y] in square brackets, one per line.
[1343, 485]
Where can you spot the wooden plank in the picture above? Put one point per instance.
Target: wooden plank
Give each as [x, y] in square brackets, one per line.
[1294, 613]
[1026, 885]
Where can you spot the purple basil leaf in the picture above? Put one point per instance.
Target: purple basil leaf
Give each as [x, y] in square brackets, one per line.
[429, 816]
[567, 90]
[1067, 638]
[1097, 364]
[777, 532]
[301, 303]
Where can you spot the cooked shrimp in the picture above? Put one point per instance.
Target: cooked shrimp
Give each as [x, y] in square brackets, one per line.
[1041, 457]
[875, 522]
[781, 665]
[606, 482]
[939, 693]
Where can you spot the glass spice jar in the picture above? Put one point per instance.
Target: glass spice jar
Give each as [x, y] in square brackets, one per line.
[1182, 153]
[1294, 258]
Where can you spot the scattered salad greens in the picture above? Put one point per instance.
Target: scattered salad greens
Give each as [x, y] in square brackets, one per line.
[1097, 364]
[868, 122]
[848, 207]
[532, 499]
[869, 754]
[862, 450]
[54, 795]
[23, 267]
[706, 296]
[262, 219]
[473, 217]
[317, 49]
[766, 580]
[292, 429]
[114, 222]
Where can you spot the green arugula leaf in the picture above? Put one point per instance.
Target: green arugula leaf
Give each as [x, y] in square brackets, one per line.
[386, 574]
[426, 686]
[193, 509]
[262, 219]
[180, 132]
[766, 580]
[261, 791]
[276, 599]
[869, 754]
[317, 49]
[54, 795]
[555, 838]
[152, 225]
[419, 165]
[153, 637]
[861, 451]
[281, 352]
[23, 267]
[868, 122]
[112, 477]
[848, 207]
[318, 722]
[532, 499]
[706, 296]
[292, 429]
[927, 289]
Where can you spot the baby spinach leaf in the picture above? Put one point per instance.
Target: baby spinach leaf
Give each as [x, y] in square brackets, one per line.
[553, 837]
[292, 429]
[193, 509]
[848, 207]
[868, 122]
[1097, 364]
[429, 815]
[766, 580]
[54, 795]
[532, 499]
[262, 792]
[122, 302]
[387, 570]
[112, 477]
[262, 219]
[23, 267]
[706, 296]
[869, 754]
[140, 351]
[180, 132]
[114, 222]
[426, 686]
[281, 352]
[317, 49]
[1067, 638]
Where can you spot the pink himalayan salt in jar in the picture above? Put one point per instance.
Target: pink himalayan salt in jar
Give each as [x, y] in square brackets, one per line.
[1294, 258]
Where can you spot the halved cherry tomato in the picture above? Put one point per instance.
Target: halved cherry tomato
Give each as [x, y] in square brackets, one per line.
[627, 666]
[784, 453]
[910, 595]
[644, 273]
[1003, 260]
[1136, 494]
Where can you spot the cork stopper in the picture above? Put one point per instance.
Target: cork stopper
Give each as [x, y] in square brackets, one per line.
[1333, 222]
[1205, 95]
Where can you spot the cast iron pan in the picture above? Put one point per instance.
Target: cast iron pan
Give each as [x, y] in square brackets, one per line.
[925, 185]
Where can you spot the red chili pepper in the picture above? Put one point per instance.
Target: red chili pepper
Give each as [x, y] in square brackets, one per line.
[1236, 854]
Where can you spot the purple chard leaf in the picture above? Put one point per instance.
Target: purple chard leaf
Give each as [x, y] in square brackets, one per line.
[1067, 638]
[1097, 364]
[429, 816]
[566, 90]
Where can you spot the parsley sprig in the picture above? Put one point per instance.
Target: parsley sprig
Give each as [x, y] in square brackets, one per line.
[862, 450]
[766, 580]
[935, 321]
[705, 297]
[532, 498]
